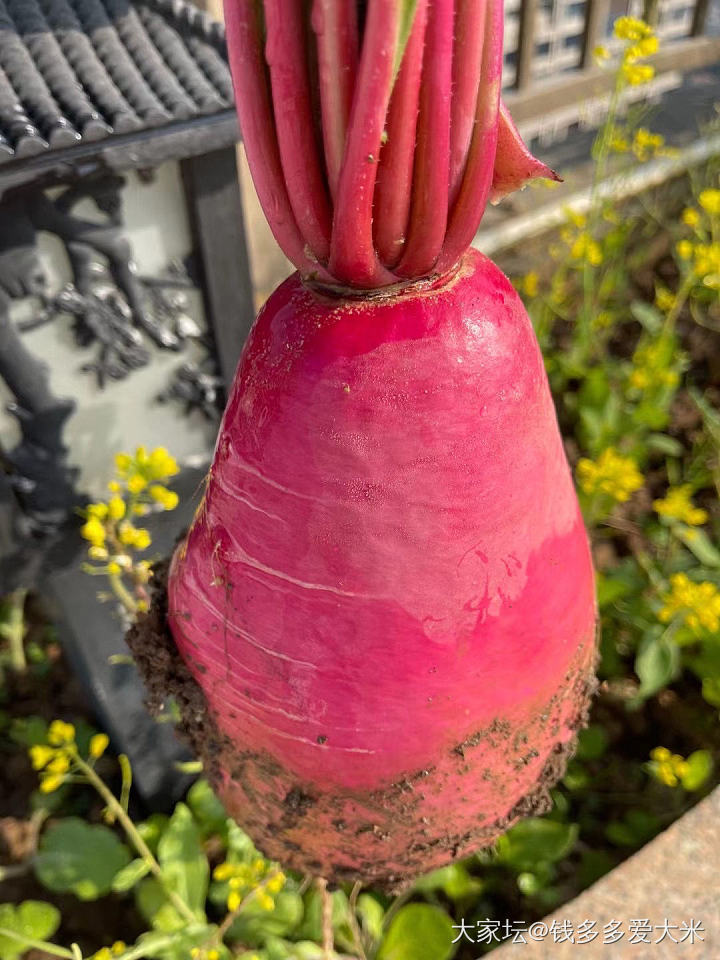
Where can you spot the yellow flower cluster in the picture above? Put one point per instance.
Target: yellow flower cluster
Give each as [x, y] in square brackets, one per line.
[710, 201]
[668, 768]
[650, 367]
[697, 603]
[647, 144]
[259, 876]
[138, 487]
[640, 42]
[677, 505]
[611, 474]
[705, 259]
[55, 759]
[108, 953]
[197, 953]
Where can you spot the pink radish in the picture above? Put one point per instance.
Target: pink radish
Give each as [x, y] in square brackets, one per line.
[386, 595]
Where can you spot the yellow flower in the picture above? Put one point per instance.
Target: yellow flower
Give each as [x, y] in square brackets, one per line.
[162, 464]
[265, 901]
[114, 486]
[630, 28]
[530, 284]
[223, 871]
[698, 604]
[690, 217]
[646, 143]
[61, 733]
[99, 510]
[116, 508]
[233, 901]
[602, 320]
[710, 201]
[619, 143]
[167, 498]
[640, 379]
[60, 764]
[668, 768]
[276, 883]
[684, 249]
[51, 783]
[677, 505]
[586, 247]
[142, 539]
[94, 531]
[601, 53]
[114, 568]
[142, 606]
[637, 73]
[97, 553]
[118, 947]
[40, 756]
[611, 474]
[123, 462]
[213, 954]
[136, 483]
[664, 299]
[98, 745]
[102, 954]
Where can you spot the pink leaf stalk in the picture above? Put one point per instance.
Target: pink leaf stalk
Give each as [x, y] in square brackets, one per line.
[286, 56]
[393, 191]
[386, 596]
[467, 66]
[428, 217]
[335, 24]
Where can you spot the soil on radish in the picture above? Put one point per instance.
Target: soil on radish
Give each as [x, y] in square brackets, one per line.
[166, 675]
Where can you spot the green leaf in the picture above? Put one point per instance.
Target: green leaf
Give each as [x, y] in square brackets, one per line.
[75, 857]
[418, 931]
[657, 664]
[206, 808]
[126, 878]
[29, 731]
[534, 840]
[700, 765]
[183, 861]
[698, 543]
[255, 925]
[636, 828]
[371, 914]
[32, 919]
[454, 881]
[665, 444]
[648, 316]
[592, 742]
[711, 691]
[153, 904]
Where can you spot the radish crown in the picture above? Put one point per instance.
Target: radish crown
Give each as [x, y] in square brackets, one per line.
[374, 130]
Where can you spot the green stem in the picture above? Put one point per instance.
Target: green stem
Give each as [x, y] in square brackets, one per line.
[52, 948]
[601, 156]
[14, 630]
[122, 593]
[137, 841]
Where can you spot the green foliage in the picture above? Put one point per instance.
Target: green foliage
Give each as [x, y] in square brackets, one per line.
[181, 857]
[418, 931]
[75, 857]
[31, 919]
